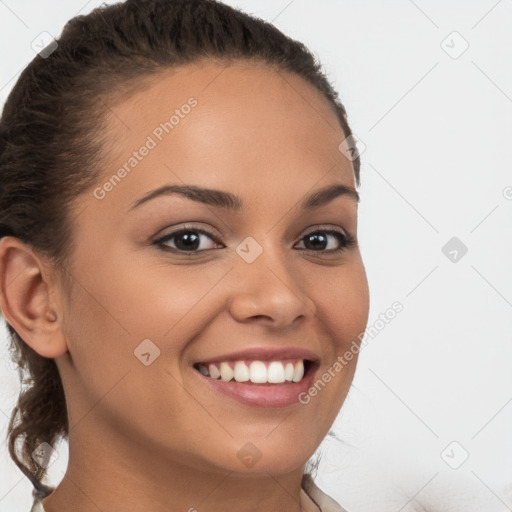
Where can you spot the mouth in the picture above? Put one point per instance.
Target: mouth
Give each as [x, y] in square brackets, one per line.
[274, 372]
[258, 382]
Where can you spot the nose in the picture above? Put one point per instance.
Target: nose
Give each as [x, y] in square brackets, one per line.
[269, 290]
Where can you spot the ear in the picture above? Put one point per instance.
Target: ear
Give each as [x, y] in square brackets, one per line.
[29, 298]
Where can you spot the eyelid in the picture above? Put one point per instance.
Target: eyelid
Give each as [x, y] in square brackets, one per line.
[188, 226]
[326, 227]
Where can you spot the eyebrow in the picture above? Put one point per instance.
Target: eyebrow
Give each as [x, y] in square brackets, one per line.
[227, 200]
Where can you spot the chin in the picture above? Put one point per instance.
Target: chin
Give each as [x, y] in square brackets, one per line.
[263, 457]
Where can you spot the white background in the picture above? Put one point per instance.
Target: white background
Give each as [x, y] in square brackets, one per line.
[436, 164]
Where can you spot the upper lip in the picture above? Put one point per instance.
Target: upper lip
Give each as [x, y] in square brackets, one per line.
[264, 354]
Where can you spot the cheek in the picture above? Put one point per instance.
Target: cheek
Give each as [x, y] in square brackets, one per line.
[343, 305]
[341, 300]
[173, 304]
[112, 312]
[143, 299]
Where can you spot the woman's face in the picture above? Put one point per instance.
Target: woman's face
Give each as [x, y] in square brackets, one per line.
[270, 276]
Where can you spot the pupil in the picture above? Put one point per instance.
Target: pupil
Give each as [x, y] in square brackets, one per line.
[191, 241]
[322, 242]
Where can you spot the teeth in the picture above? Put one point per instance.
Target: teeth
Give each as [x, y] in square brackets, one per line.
[214, 371]
[257, 372]
[203, 369]
[226, 372]
[241, 372]
[299, 372]
[275, 372]
[288, 372]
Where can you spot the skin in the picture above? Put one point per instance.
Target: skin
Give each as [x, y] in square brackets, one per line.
[143, 437]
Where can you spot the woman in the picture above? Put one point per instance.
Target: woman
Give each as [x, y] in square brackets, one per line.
[181, 277]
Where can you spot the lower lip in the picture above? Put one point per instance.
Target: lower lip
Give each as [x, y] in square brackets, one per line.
[262, 395]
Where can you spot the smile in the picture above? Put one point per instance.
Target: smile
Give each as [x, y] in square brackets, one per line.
[256, 372]
[268, 384]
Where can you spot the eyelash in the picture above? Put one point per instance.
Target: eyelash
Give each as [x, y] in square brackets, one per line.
[346, 240]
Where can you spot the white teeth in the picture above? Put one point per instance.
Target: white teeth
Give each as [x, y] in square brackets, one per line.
[214, 371]
[241, 372]
[226, 372]
[288, 372]
[258, 372]
[275, 372]
[299, 372]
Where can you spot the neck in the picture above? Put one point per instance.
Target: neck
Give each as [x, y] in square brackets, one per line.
[127, 477]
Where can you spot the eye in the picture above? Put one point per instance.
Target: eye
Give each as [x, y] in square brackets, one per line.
[187, 239]
[319, 240]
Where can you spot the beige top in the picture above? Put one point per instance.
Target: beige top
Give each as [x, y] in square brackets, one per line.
[324, 502]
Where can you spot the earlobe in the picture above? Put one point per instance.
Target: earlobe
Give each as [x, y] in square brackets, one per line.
[25, 300]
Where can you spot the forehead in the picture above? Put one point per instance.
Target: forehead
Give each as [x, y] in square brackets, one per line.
[210, 123]
[222, 83]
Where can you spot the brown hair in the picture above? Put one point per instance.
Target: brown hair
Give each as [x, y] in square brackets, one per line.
[50, 144]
